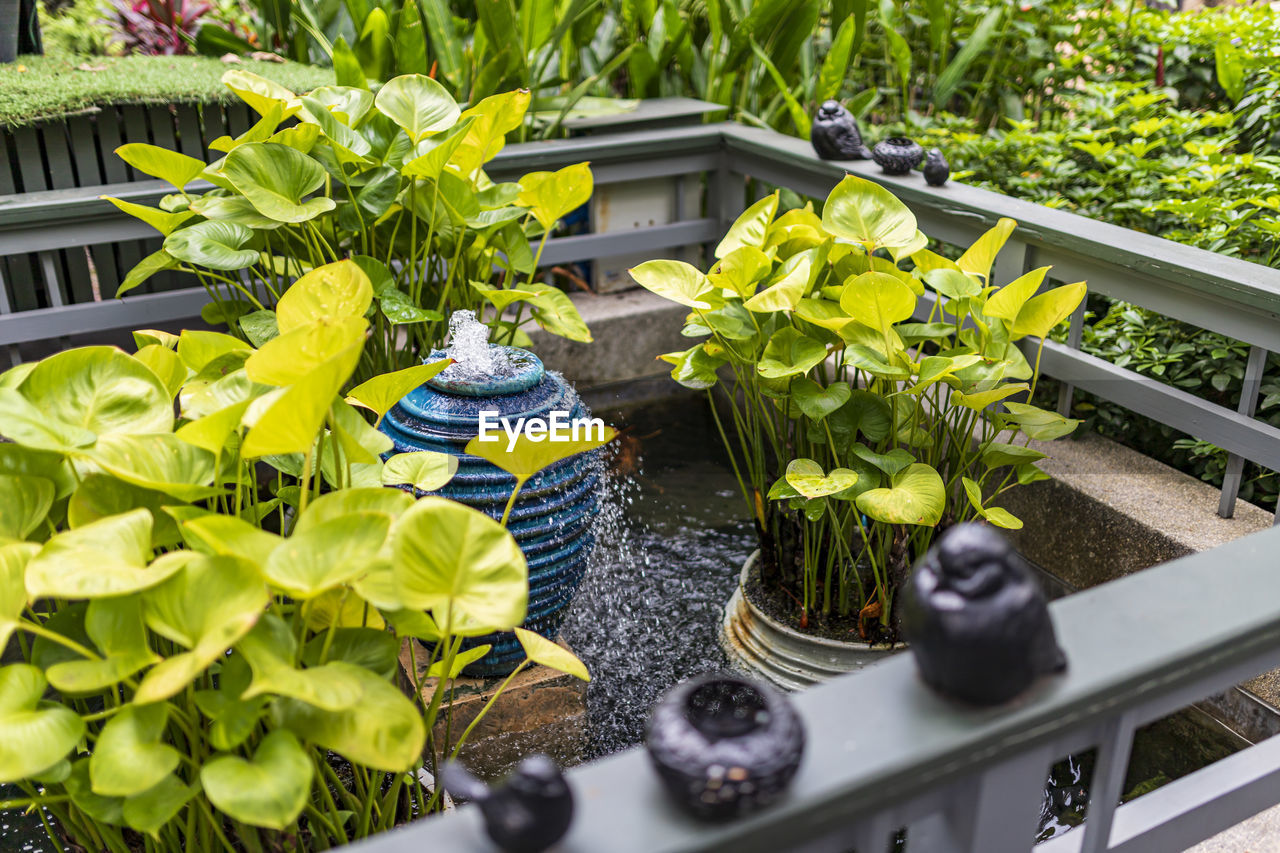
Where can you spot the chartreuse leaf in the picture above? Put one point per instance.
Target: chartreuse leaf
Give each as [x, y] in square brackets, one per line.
[116, 628]
[554, 311]
[1006, 302]
[334, 291]
[268, 791]
[214, 244]
[161, 220]
[198, 348]
[169, 166]
[790, 353]
[24, 503]
[553, 195]
[390, 502]
[1038, 423]
[866, 213]
[424, 470]
[100, 389]
[552, 655]
[271, 650]
[230, 536]
[878, 300]
[740, 270]
[382, 392]
[162, 462]
[295, 354]
[156, 262]
[276, 179]
[461, 564]
[129, 756]
[292, 421]
[751, 227]
[31, 427]
[998, 453]
[807, 478]
[677, 281]
[916, 495]
[104, 558]
[1041, 313]
[491, 120]
[14, 557]
[529, 456]
[327, 555]
[420, 105]
[979, 257]
[166, 365]
[260, 93]
[998, 516]
[695, 368]
[206, 606]
[383, 730]
[982, 399]
[452, 669]
[784, 293]
[32, 738]
[153, 808]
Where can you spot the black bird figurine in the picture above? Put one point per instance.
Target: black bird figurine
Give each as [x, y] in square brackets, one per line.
[835, 134]
[528, 812]
[936, 169]
[976, 620]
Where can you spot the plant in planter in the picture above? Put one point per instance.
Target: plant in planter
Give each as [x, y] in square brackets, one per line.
[855, 430]
[395, 181]
[209, 607]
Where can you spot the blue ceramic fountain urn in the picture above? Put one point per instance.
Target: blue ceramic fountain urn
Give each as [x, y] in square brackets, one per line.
[552, 517]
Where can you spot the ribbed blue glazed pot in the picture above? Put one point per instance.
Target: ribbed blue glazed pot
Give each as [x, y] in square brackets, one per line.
[551, 519]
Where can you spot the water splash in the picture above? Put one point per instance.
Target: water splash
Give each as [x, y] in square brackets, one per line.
[469, 348]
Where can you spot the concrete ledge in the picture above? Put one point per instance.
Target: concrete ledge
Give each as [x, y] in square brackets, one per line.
[1110, 511]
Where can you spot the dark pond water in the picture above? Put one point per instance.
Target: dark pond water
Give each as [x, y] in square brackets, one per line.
[671, 544]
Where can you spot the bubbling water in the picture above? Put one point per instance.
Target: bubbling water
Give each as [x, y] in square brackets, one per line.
[469, 348]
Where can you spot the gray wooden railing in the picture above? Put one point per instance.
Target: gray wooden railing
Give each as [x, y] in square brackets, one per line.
[1207, 290]
[885, 753]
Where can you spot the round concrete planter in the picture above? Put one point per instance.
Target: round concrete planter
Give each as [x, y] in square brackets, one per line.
[787, 658]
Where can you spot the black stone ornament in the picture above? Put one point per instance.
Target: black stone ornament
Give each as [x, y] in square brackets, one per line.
[897, 155]
[528, 812]
[976, 620]
[936, 169]
[724, 745]
[835, 134]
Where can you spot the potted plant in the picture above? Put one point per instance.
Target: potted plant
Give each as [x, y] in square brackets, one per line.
[857, 431]
[395, 181]
[209, 607]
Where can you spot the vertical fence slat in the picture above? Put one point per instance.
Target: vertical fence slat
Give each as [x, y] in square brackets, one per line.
[114, 170]
[189, 140]
[1107, 782]
[872, 836]
[214, 125]
[1000, 813]
[6, 165]
[1075, 333]
[1247, 405]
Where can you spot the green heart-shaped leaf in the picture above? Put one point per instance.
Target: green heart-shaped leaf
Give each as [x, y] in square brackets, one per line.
[917, 496]
[24, 503]
[866, 213]
[419, 104]
[459, 563]
[334, 291]
[170, 166]
[327, 555]
[104, 558]
[750, 228]
[269, 791]
[100, 389]
[807, 478]
[878, 300]
[552, 655]
[213, 244]
[382, 392]
[32, 738]
[129, 756]
[818, 402]
[790, 353]
[275, 179]
[553, 195]
[677, 281]
[424, 470]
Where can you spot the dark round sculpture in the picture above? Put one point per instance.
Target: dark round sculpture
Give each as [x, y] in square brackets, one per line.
[897, 155]
[528, 812]
[976, 619]
[936, 168]
[835, 134]
[724, 746]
